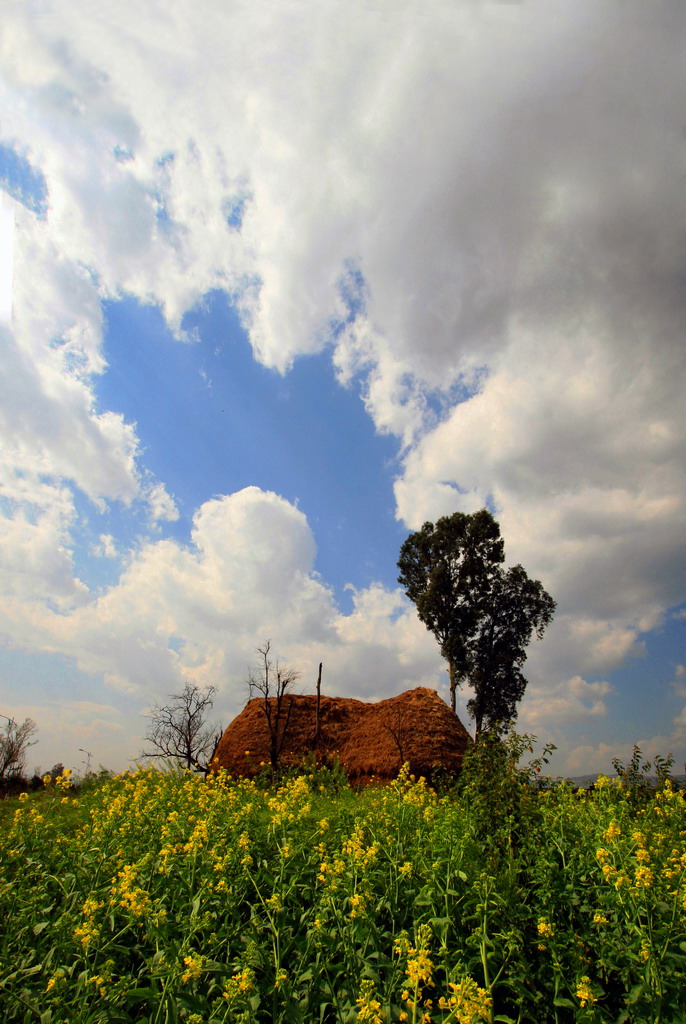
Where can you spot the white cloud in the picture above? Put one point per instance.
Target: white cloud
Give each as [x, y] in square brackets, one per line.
[6, 257]
[107, 548]
[573, 700]
[585, 759]
[507, 179]
[582, 463]
[68, 730]
[162, 506]
[198, 612]
[33, 556]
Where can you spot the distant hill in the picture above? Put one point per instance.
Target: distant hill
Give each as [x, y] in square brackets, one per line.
[584, 781]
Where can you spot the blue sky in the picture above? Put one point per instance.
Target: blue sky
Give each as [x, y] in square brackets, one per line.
[289, 280]
[212, 420]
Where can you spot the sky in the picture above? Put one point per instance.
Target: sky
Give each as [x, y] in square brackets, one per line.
[281, 282]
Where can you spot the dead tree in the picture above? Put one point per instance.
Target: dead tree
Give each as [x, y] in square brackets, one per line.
[15, 740]
[272, 684]
[319, 701]
[395, 726]
[179, 729]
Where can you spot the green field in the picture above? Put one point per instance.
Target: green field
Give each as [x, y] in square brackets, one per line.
[159, 897]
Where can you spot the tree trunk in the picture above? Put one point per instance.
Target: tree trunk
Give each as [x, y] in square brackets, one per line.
[453, 686]
[478, 726]
[319, 700]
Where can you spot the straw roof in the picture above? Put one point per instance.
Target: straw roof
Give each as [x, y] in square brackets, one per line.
[369, 740]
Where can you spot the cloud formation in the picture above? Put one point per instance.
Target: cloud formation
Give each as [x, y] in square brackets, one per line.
[478, 208]
[197, 612]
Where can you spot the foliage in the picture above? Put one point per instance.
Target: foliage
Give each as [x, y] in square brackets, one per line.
[272, 684]
[514, 609]
[445, 569]
[482, 615]
[324, 772]
[179, 729]
[636, 774]
[15, 739]
[172, 897]
[497, 787]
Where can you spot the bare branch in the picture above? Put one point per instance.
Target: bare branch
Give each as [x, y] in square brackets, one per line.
[272, 684]
[14, 743]
[395, 727]
[178, 729]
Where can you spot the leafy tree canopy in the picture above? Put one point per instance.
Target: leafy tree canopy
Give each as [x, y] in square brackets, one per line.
[482, 615]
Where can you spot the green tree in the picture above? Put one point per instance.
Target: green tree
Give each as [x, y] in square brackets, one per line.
[482, 615]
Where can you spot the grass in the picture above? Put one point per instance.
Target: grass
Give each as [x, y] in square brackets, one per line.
[160, 897]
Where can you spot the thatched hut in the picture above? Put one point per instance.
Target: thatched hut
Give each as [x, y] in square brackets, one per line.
[369, 740]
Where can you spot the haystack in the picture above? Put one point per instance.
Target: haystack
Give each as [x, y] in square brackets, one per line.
[369, 740]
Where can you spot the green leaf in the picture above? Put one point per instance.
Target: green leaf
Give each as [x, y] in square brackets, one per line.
[139, 995]
[560, 1001]
[635, 994]
[38, 928]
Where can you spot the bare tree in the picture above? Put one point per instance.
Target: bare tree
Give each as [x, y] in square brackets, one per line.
[272, 684]
[395, 727]
[179, 729]
[15, 740]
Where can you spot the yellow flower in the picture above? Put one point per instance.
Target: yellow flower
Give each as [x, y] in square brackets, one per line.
[86, 933]
[54, 980]
[356, 904]
[584, 992]
[194, 968]
[419, 968]
[644, 878]
[469, 1003]
[241, 983]
[369, 1007]
[613, 831]
[545, 929]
